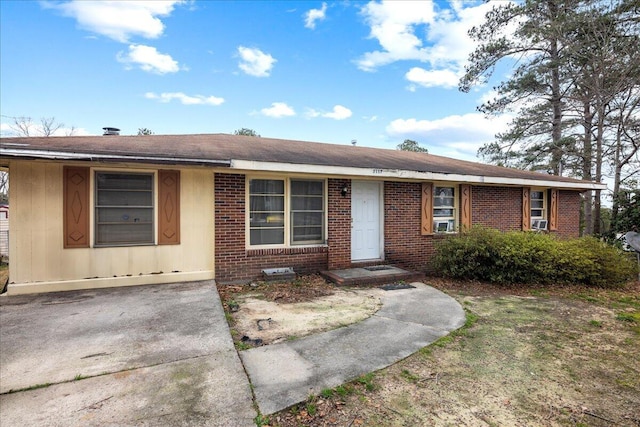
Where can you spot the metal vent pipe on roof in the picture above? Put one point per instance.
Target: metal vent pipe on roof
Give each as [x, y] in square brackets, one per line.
[110, 131]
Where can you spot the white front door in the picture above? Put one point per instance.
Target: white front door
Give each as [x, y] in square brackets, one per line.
[365, 220]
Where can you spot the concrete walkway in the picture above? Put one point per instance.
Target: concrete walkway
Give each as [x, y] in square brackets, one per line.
[157, 355]
[287, 373]
[162, 355]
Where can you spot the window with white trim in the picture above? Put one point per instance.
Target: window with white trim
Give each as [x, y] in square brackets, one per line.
[266, 212]
[538, 200]
[124, 211]
[286, 212]
[307, 212]
[444, 209]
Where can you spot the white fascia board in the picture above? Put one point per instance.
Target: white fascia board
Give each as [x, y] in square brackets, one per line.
[61, 155]
[251, 165]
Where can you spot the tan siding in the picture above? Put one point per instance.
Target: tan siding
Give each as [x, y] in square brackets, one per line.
[37, 218]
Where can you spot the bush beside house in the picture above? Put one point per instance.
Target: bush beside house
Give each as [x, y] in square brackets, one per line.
[532, 258]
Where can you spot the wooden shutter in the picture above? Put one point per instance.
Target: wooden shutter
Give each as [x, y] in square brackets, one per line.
[427, 208]
[554, 195]
[75, 201]
[168, 207]
[526, 208]
[465, 206]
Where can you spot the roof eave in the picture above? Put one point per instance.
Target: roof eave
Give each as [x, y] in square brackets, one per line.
[251, 165]
[101, 157]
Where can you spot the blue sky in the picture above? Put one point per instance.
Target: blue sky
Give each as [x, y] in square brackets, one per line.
[377, 72]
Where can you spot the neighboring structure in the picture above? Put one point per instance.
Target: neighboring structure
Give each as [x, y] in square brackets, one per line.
[124, 210]
[4, 232]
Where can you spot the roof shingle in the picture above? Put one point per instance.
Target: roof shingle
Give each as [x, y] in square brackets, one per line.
[226, 148]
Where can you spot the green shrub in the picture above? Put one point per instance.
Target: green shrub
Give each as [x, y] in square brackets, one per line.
[477, 248]
[526, 257]
[592, 262]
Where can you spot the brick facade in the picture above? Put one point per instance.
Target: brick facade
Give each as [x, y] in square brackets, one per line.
[235, 263]
[339, 226]
[495, 207]
[403, 243]
[569, 203]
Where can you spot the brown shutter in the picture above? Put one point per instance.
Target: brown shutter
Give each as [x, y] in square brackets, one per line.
[553, 209]
[75, 201]
[465, 207]
[526, 208]
[168, 207]
[427, 208]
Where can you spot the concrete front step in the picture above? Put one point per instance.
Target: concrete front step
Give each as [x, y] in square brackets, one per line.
[372, 275]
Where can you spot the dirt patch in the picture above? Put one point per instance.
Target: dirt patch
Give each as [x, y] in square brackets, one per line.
[4, 275]
[551, 356]
[266, 313]
[271, 322]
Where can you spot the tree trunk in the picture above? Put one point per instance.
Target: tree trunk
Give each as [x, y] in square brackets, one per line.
[587, 165]
[597, 229]
[556, 96]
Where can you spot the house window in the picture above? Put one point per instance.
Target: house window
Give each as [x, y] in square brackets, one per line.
[538, 209]
[124, 209]
[307, 211]
[266, 205]
[286, 211]
[444, 211]
[537, 205]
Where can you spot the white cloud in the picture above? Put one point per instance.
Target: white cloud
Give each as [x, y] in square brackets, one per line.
[5, 129]
[148, 59]
[119, 20]
[393, 24]
[418, 31]
[463, 134]
[339, 112]
[431, 78]
[314, 15]
[185, 99]
[487, 96]
[278, 110]
[255, 62]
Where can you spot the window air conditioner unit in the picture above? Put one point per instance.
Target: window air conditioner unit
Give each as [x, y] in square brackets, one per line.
[441, 226]
[539, 224]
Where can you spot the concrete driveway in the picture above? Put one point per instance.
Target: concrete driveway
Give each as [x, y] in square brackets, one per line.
[152, 356]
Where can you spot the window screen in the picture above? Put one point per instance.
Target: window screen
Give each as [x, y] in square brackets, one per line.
[444, 209]
[537, 204]
[124, 209]
[307, 211]
[266, 210]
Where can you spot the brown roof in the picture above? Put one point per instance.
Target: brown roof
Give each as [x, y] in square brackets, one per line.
[221, 149]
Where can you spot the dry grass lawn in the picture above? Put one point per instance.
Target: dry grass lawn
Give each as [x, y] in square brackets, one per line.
[554, 356]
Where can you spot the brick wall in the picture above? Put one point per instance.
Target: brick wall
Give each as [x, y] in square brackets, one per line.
[403, 243]
[234, 263]
[497, 207]
[568, 214]
[230, 231]
[339, 227]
